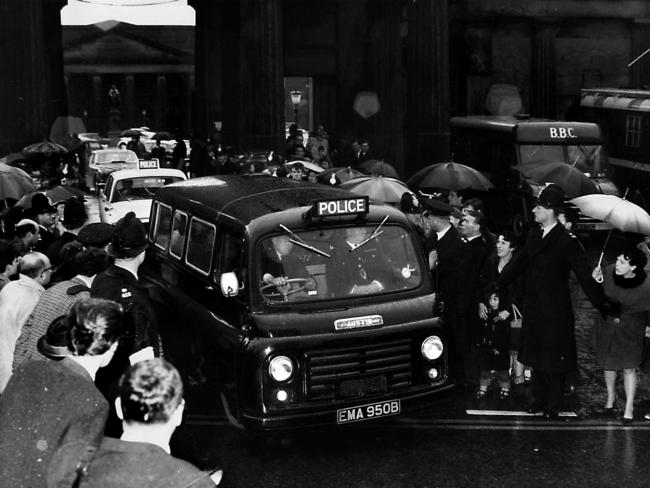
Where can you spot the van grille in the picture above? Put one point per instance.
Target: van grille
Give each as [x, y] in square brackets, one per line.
[358, 371]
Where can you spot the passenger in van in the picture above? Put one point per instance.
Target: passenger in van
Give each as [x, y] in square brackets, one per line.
[368, 270]
[282, 266]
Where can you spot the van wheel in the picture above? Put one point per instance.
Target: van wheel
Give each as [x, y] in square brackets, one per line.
[518, 225]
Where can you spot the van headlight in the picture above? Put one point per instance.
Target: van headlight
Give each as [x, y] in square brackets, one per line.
[281, 368]
[432, 348]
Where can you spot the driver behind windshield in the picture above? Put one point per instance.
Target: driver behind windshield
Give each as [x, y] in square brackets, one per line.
[283, 269]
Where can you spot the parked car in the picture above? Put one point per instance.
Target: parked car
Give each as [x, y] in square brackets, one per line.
[131, 190]
[103, 162]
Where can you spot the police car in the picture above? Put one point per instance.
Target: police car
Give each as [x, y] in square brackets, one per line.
[102, 162]
[131, 190]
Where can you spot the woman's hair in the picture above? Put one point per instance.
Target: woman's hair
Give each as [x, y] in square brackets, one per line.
[95, 325]
[150, 391]
[634, 256]
[508, 236]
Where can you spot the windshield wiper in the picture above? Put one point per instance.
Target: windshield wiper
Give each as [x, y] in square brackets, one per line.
[298, 241]
[374, 234]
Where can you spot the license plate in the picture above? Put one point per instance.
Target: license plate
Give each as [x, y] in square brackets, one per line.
[366, 412]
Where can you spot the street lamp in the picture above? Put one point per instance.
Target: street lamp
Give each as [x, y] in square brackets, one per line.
[296, 95]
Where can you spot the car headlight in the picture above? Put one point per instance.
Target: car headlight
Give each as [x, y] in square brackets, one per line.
[432, 348]
[281, 368]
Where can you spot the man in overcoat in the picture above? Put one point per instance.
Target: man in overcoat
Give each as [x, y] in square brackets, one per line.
[548, 341]
[449, 258]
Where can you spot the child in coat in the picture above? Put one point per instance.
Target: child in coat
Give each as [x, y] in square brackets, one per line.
[494, 347]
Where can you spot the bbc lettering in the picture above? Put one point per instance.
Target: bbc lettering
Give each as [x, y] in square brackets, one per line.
[562, 133]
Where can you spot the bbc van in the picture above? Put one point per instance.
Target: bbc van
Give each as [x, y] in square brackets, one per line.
[499, 146]
[306, 304]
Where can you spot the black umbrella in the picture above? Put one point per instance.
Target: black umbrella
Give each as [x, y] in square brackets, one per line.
[334, 176]
[162, 136]
[130, 133]
[378, 168]
[45, 148]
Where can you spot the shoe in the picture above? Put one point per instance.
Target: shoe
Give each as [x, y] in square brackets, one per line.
[504, 394]
[647, 416]
[626, 421]
[608, 412]
[480, 394]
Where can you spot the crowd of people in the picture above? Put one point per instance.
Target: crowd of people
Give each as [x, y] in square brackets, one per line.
[509, 305]
[86, 397]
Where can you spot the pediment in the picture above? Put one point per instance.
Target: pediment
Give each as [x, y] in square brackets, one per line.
[114, 47]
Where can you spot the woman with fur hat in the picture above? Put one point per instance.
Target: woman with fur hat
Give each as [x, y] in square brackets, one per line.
[619, 338]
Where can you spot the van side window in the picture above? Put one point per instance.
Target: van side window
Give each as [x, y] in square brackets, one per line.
[163, 220]
[231, 255]
[200, 245]
[179, 228]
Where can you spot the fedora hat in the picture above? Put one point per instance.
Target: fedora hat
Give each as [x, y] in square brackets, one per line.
[129, 237]
[54, 343]
[74, 213]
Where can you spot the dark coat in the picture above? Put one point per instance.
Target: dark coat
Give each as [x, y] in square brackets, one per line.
[46, 404]
[119, 464]
[548, 330]
[453, 256]
[619, 341]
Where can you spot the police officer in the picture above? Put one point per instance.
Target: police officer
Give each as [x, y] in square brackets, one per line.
[548, 341]
[120, 283]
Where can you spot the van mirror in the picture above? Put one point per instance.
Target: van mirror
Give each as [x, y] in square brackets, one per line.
[229, 284]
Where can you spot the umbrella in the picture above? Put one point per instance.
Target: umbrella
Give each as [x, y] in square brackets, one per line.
[14, 182]
[573, 181]
[130, 133]
[55, 195]
[307, 165]
[64, 126]
[12, 158]
[620, 213]
[378, 168]
[334, 176]
[450, 176]
[378, 188]
[45, 148]
[162, 136]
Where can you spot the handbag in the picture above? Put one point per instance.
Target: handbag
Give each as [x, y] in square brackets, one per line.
[515, 323]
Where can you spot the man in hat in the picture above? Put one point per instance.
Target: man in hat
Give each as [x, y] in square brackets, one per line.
[57, 301]
[548, 341]
[120, 283]
[448, 259]
[96, 234]
[45, 215]
[63, 249]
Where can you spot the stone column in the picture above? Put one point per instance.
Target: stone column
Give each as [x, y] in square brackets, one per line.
[262, 73]
[208, 62]
[385, 71]
[129, 101]
[160, 109]
[640, 70]
[98, 113]
[57, 103]
[428, 84]
[543, 96]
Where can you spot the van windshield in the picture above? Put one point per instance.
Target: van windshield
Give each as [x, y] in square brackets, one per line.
[587, 158]
[334, 263]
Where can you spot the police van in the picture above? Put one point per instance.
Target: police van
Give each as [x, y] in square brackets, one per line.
[305, 303]
[499, 146]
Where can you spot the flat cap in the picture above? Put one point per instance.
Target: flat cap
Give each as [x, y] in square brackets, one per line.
[436, 207]
[97, 234]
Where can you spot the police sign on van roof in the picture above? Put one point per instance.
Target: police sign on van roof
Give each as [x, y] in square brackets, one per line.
[343, 206]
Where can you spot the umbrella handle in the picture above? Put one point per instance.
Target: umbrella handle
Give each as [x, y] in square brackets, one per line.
[600, 260]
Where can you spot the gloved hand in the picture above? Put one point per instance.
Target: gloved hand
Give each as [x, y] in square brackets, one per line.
[610, 309]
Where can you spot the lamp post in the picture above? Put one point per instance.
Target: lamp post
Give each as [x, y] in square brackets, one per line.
[296, 95]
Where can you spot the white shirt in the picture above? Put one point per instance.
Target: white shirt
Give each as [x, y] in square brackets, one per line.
[472, 238]
[546, 230]
[17, 301]
[442, 233]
